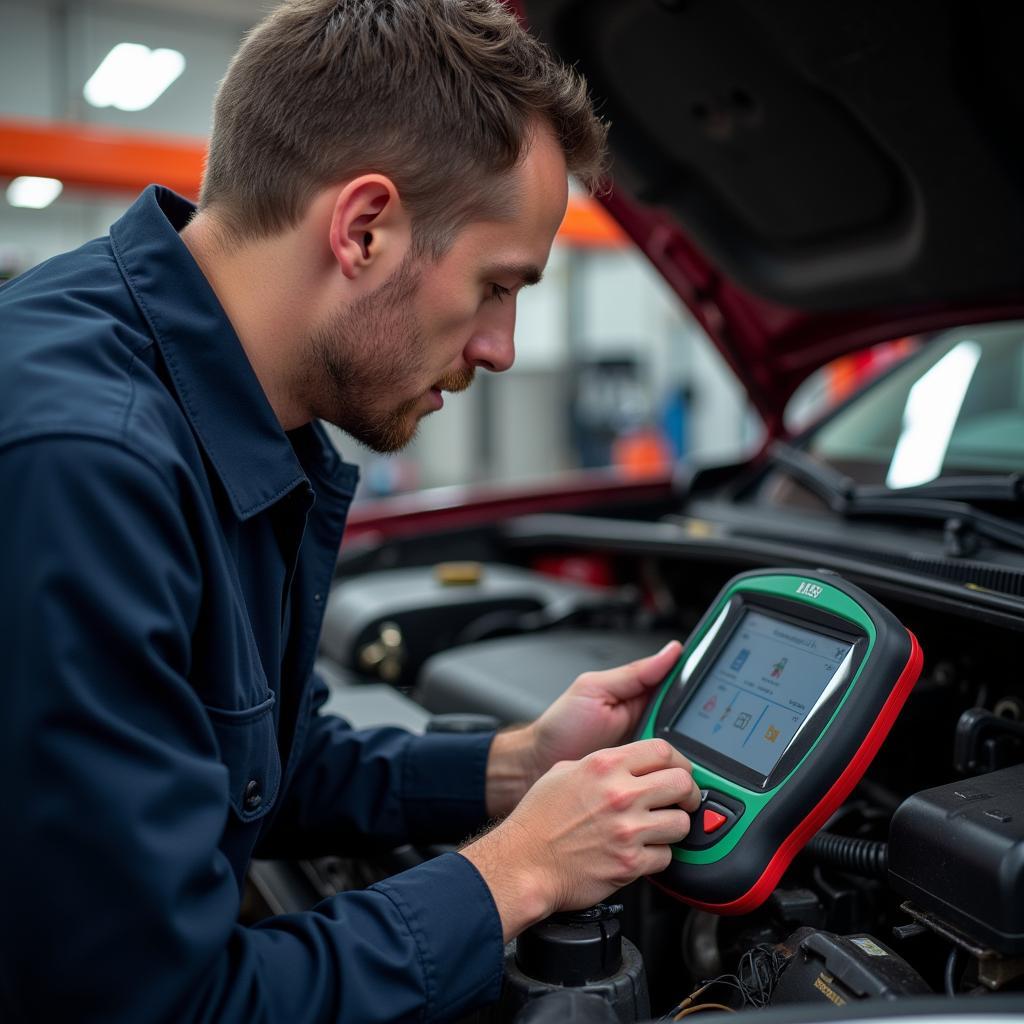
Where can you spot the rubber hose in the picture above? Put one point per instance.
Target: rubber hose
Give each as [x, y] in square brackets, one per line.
[867, 857]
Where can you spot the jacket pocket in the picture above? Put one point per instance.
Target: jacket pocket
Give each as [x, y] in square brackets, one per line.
[248, 748]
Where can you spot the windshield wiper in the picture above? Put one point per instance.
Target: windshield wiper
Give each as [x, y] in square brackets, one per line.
[1007, 487]
[935, 500]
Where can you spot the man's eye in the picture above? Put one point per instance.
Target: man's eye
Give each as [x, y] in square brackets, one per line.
[498, 292]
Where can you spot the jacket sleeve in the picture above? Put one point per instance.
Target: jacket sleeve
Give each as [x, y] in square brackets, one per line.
[362, 789]
[119, 903]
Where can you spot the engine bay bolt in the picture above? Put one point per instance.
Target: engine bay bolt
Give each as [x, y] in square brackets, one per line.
[1009, 707]
[390, 635]
[385, 655]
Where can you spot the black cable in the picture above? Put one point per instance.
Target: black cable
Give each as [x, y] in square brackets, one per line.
[885, 799]
[952, 962]
[868, 857]
[759, 971]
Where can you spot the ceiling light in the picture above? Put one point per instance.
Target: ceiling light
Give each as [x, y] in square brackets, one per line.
[33, 193]
[132, 76]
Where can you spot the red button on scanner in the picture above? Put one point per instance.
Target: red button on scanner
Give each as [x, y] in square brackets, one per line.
[713, 821]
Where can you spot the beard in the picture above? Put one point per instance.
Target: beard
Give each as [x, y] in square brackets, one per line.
[366, 354]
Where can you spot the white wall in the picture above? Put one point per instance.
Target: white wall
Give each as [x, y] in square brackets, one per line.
[30, 72]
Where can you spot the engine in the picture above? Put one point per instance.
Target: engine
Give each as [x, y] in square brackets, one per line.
[914, 887]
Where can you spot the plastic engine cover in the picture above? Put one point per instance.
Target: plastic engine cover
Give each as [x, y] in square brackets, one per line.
[958, 852]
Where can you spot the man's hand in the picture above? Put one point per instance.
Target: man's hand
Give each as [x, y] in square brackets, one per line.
[585, 829]
[600, 709]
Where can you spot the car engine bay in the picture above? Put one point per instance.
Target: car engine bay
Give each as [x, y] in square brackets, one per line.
[915, 886]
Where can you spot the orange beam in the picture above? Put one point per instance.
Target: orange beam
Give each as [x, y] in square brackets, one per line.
[102, 158]
[587, 224]
[92, 157]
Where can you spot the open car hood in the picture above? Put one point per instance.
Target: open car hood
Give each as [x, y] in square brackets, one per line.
[810, 177]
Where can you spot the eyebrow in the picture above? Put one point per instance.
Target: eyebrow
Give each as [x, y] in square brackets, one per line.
[528, 273]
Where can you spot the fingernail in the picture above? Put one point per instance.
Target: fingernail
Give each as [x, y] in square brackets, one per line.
[666, 647]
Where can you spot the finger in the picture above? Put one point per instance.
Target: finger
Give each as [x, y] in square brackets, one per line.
[664, 827]
[667, 787]
[656, 859]
[643, 756]
[636, 678]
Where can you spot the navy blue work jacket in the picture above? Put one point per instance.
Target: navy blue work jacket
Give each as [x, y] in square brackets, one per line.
[166, 552]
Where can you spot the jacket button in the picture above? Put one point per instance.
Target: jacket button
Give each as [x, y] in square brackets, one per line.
[253, 796]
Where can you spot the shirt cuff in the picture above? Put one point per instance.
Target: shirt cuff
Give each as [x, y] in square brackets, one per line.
[443, 788]
[455, 925]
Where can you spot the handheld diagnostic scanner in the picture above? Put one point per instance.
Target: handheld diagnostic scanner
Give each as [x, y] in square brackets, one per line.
[782, 697]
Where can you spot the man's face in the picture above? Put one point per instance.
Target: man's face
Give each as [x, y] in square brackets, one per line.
[382, 363]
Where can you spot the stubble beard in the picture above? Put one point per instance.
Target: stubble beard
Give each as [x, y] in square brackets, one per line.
[366, 354]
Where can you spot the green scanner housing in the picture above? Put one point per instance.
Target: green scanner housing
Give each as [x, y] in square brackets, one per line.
[784, 693]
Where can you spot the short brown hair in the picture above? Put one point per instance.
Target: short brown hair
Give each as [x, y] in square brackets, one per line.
[439, 95]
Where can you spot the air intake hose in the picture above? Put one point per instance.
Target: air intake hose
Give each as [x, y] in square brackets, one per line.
[868, 857]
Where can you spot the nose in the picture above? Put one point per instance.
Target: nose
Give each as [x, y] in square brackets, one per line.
[492, 349]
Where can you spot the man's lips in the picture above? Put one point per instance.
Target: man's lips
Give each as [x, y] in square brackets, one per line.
[455, 381]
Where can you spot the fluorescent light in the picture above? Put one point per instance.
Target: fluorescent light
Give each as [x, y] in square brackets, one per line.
[33, 193]
[132, 76]
[929, 416]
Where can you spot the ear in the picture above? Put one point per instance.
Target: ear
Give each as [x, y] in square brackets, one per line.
[369, 225]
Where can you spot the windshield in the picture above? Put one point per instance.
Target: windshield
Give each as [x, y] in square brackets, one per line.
[955, 409]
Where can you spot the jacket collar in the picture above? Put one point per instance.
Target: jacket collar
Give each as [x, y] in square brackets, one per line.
[215, 382]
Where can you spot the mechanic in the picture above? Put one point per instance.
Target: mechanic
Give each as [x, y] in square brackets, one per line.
[383, 177]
